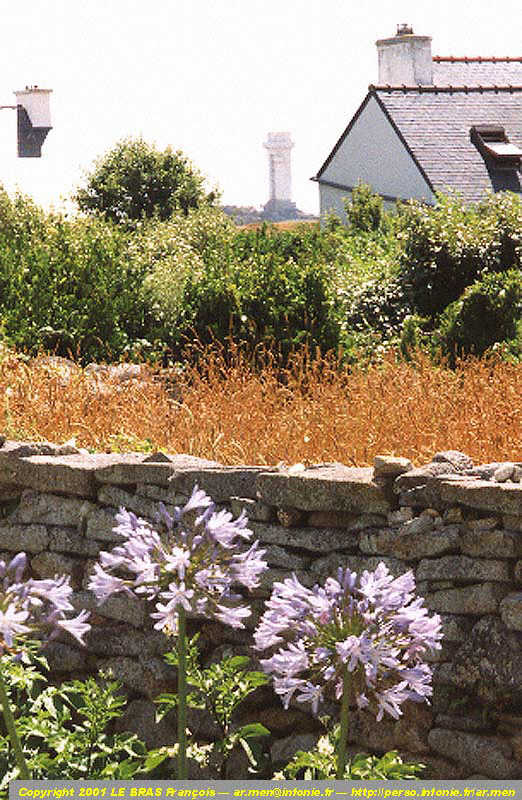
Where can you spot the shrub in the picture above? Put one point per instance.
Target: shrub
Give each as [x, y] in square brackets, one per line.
[487, 312]
[365, 209]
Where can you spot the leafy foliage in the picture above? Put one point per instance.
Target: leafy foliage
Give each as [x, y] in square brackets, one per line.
[320, 764]
[487, 313]
[365, 209]
[66, 731]
[136, 180]
[220, 689]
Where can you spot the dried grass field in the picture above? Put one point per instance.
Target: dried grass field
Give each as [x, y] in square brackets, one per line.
[314, 411]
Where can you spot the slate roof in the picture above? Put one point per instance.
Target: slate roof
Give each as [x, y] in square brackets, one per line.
[449, 71]
[434, 122]
[436, 127]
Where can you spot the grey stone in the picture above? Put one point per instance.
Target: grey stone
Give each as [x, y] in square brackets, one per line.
[314, 540]
[139, 717]
[68, 540]
[421, 524]
[480, 598]
[327, 566]
[457, 460]
[51, 509]
[511, 611]
[404, 514]
[124, 640]
[518, 572]
[504, 472]
[30, 538]
[455, 628]
[222, 483]
[115, 497]
[48, 565]
[491, 544]
[422, 496]
[133, 469]
[445, 674]
[391, 466]
[121, 607]
[503, 498]
[323, 488]
[273, 574]
[63, 658]
[331, 519]
[283, 750]
[489, 664]
[420, 476]
[483, 524]
[512, 523]
[453, 515]
[101, 524]
[74, 474]
[411, 546]
[290, 517]
[516, 477]
[488, 755]
[484, 472]
[277, 556]
[158, 676]
[160, 493]
[476, 721]
[462, 569]
[254, 509]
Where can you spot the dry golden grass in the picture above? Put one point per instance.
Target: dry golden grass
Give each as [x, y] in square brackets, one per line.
[237, 414]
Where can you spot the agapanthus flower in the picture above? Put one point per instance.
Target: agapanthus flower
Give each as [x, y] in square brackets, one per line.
[194, 558]
[35, 609]
[373, 629]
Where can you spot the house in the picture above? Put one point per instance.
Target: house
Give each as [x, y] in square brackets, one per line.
[440, 123]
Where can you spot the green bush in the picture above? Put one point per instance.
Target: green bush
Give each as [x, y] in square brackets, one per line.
[451, 245]
[365, 209]
[487, 313]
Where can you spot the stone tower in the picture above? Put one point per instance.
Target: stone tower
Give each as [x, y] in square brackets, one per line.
[280, 204]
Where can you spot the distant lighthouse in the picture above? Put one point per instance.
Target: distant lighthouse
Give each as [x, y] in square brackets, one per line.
[279, 205]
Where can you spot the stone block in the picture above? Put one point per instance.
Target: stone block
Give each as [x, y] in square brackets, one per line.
[324, 488]
[101, 524]
[51, 509]
[273, 574]
[480, 598]
[455, 628]
[68, 540]
[325, 567]
[473, 721]
[500, 498]
[283, 750]
[139, 717]
[462, 569]
[29, 538]
[222, 483]
[459, 462]
[404, 514]
[48, 565]
[116, 497]
[254, 509]
[277, 556]
[421, 476]
[411, 546]
[313, 540]
[411, 731]
[512, 523]
[391, 466]
[491, 756]
[63, 658]
[290, 517]
[120, 607]
[161, 493]
[489, 664]
[511, 611]
[74, 474]
[504, 472]
[491, 544]
[133, 468]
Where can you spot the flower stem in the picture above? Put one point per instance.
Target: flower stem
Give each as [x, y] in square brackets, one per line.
[182, 694]
[345, 712]
[11, 730]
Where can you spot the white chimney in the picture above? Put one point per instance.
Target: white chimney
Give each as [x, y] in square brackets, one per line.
[36, 103]
[405, 59]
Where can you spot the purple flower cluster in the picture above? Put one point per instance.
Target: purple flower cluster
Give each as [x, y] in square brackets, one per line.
[33, 608]
[374, 628]
[194, 560]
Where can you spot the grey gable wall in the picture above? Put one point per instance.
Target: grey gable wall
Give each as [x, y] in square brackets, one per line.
[373, 153]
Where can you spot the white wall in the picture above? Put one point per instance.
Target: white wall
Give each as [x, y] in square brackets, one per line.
[373, 153]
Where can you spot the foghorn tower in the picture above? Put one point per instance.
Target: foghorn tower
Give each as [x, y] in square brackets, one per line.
[280, 204]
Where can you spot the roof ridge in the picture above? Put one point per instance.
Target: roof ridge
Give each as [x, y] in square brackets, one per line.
[476, 59]
[443, 89]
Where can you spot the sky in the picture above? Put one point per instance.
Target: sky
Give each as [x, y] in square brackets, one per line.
[212, 78]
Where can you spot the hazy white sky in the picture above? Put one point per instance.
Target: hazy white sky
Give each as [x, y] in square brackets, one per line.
[212, 77]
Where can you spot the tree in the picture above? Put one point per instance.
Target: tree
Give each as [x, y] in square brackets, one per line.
[136, 180]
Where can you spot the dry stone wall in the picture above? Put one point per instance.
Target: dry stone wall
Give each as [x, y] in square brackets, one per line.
[457, 525]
